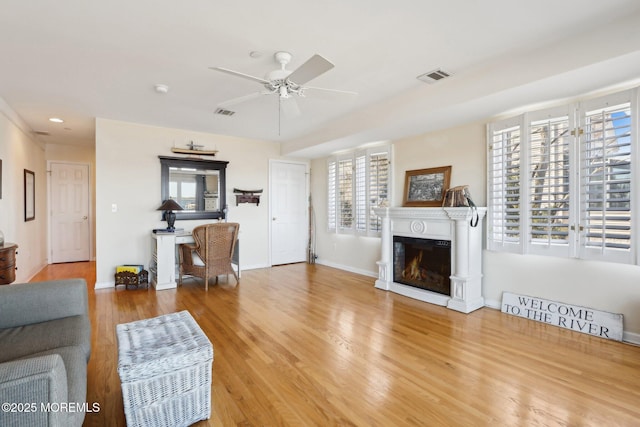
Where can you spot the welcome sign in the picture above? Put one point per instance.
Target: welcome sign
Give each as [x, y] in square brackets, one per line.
[581, 319]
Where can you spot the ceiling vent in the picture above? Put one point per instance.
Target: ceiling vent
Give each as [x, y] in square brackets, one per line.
[223, 112]
[41, 132]
[433, 76]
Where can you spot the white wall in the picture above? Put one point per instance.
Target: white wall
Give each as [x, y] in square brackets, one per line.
[128, 175]
[345, 251]
[19, 151]
[603, 286]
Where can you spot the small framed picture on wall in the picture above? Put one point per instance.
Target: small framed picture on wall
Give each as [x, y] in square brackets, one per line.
[29, 195]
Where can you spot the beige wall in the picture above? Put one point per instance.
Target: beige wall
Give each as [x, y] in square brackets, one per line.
[128, 175]
[603, 286]
[19, 151]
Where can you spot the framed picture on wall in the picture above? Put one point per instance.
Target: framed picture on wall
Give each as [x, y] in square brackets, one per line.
[29, 195]
[426, 187]
[0, 178]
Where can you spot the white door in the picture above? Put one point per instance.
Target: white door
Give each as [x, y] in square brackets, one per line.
[70, 238]
[289, 224]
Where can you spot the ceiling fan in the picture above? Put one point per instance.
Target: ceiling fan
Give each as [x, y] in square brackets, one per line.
[285, 83]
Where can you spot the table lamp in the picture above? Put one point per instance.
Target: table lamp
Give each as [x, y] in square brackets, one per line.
[168, 206]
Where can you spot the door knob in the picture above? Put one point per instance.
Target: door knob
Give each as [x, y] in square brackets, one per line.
[274, 218]
[84, 217]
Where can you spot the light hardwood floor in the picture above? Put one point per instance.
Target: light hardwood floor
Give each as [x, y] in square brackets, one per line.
[307, 345]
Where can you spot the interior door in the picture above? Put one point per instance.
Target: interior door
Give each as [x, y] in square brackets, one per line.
[69, 187]
[289, 224]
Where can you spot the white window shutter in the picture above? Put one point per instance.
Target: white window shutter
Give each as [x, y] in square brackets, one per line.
[332, 169]
[360, 192]
[345, 194]
[576, 166]
[606, 184]
[548, 183]
[504, 177]
[379, 169]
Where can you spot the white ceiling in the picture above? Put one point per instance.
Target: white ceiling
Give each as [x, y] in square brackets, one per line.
[80, 59]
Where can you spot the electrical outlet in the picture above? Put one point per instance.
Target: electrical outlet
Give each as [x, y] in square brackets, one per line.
[114, 207]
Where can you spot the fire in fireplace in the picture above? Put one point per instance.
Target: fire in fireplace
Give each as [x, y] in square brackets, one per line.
[422, 263]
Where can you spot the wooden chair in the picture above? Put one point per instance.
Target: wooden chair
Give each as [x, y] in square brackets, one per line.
[210, 254]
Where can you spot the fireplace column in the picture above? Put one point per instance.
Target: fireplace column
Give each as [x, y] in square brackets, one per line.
[385, 265]
[466, 280]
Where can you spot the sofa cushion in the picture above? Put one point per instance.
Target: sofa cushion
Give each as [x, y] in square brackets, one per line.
[21, 341]
[75, 364]
[26, 303]
[33, 382]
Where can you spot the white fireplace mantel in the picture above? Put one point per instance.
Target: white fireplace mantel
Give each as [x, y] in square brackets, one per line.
[442, 224]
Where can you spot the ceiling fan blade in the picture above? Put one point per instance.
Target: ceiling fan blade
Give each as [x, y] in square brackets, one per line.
[289, 107]
[311, 69]
[239, 74]
[348, 92]
[243, 98]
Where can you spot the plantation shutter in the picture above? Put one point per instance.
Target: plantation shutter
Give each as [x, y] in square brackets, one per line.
[357, 182]
[504, 168]
[360, 187]
[576, 168]
[606, 186]
[345, 194]
[378, 186]
[549, 201]
[332, 167]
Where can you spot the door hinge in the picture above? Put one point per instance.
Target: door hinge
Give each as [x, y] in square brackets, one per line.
[577, 132]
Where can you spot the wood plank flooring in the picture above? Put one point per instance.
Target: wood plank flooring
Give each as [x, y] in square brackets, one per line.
[308, 345]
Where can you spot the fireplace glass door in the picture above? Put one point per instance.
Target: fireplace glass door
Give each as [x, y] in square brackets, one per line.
[422, 263]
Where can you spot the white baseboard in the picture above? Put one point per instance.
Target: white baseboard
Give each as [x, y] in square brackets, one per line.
[373, 274]
[493, 304]
[105, 285]
[631, 338]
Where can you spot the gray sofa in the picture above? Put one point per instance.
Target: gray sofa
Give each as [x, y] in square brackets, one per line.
[45, 344]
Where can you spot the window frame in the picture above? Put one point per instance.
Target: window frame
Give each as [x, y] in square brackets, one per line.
[575, 244]
[360, 191]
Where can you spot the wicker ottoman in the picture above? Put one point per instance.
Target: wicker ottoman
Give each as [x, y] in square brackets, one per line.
[164, 365]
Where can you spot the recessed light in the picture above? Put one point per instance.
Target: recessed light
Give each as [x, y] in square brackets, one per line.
[56, 120]
[160, 88]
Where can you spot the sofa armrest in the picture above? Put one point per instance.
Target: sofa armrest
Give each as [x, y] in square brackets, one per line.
[28, 387]
[27, 303]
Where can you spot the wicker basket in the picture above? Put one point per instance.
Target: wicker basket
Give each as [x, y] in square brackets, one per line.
[165, 365]
[132, 279]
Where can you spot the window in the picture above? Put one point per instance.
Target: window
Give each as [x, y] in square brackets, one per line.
[357, 182]
[560, 181]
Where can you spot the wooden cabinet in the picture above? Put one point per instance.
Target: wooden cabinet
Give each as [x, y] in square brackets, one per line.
[8, 263]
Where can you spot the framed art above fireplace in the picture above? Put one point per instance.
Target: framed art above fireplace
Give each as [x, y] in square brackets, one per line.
[426, 187]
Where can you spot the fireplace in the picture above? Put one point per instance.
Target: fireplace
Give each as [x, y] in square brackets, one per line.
[433, 255]
[422, 263]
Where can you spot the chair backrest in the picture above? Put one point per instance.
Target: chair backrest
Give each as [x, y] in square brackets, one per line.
[216, 241]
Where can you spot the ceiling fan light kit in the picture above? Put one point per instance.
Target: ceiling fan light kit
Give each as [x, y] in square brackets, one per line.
[284, 82]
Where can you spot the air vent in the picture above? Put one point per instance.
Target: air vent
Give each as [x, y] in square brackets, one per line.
[433, 76]
[224, 112]
[41, 132]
